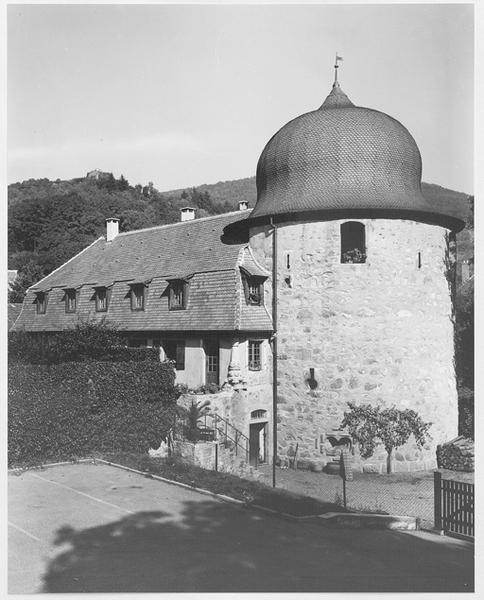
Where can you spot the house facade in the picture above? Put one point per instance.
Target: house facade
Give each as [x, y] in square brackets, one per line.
[343, 266]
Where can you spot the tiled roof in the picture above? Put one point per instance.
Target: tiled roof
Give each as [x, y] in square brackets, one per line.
[165, 251]
[342, 158]
[155, 255]
[251, 317]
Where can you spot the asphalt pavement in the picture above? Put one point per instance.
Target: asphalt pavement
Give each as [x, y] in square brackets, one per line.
[96, 528]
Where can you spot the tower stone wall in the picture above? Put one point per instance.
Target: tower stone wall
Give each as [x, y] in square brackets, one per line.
[380, 332]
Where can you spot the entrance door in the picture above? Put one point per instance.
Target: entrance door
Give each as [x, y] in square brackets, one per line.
[211, 361]
[257, 443]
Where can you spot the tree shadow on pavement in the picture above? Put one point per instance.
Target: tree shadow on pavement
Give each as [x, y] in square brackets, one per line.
[215, 547]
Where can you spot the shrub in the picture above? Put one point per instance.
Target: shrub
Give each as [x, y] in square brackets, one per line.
[208, 388]
[74, 409]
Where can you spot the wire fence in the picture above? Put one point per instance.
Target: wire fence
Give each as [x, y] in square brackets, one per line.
[403, 494]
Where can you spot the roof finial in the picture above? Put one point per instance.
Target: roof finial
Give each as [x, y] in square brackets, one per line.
[336, 67]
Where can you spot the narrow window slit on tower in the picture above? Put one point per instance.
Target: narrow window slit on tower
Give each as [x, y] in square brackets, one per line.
[419, 260]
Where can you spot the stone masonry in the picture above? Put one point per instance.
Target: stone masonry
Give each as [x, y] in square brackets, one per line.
[380, 332]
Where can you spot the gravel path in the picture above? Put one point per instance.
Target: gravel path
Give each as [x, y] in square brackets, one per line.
[409, 494]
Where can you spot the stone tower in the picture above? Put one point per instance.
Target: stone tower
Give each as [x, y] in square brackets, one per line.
[364, 278]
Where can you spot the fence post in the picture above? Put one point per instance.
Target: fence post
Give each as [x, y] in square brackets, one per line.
[438, 500]
[216, 456]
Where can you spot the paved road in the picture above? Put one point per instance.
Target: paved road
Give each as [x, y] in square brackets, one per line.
[95, 528]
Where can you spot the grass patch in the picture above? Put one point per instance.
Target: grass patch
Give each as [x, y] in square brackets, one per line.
[251, 492]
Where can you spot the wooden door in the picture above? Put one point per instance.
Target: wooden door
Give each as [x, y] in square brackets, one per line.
[257, 443]
[211, 361]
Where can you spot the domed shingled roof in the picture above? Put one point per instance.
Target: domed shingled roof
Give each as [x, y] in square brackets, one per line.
[343, 159]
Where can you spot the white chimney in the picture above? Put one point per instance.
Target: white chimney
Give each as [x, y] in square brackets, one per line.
[187, 213]
[112, 229]
[243, 205]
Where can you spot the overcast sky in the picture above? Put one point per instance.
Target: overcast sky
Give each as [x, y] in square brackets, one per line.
[185, 95]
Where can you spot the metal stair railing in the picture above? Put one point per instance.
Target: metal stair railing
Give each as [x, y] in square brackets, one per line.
[222, 427]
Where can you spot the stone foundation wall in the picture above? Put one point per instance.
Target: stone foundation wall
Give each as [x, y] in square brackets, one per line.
[380, 332]
[203, 455]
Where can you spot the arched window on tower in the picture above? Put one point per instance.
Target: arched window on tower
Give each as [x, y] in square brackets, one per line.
[353, 244]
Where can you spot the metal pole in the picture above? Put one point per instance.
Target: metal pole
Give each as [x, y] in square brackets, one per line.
[274, 352]
[438, 500]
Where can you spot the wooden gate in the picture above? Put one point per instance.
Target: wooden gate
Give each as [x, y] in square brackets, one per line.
[454, 506]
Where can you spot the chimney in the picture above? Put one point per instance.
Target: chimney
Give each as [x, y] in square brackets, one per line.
[187, 213]
[243, 205]
[112, 229]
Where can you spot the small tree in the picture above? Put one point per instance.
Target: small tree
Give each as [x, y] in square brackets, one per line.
[369, 425]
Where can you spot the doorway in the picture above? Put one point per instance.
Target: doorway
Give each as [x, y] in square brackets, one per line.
[211, 361]
[257, 443]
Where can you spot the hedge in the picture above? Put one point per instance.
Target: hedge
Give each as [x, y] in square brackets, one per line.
[74, 409]
[85, 341]
[466, 412]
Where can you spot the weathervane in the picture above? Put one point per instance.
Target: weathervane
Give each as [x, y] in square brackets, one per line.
[336, 67]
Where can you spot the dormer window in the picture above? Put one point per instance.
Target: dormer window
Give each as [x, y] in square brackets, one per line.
[41, 303]
[138, 296]
[253, 279]
[70, 300]
[353, 244]
[101, 299]
[178, 294]
[254, 291]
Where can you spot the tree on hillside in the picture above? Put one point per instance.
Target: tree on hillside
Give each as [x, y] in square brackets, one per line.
[370, 425]
[30, 273]
[123, 184]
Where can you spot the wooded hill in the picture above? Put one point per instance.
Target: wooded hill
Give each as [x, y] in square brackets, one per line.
[51, 221]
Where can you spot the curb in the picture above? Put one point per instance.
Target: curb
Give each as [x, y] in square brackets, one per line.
[20, 470]
[369, 521]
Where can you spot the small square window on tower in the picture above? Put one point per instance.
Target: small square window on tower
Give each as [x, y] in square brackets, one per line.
[353, 243]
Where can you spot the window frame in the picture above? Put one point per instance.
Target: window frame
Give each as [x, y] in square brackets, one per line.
[254, 298]
[253, 345]
[135, 288]
[349, 231]
[41, 302]
[178, 287]
[100, 308]
[70, 295]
